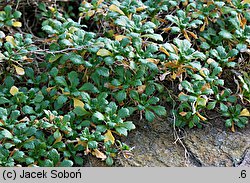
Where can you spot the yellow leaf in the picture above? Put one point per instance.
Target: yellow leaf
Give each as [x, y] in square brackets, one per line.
[162, 49]
[210, 60]
[141, 89]
[90, 13]
[17, 24]
[186, 35]
[175, 48]
[109, 137]
[183, 113]
[49, 89]
[119, 37]
[11, 40]
[202, 71]
[78, 103]
[19, 70]
[14, 90]
[233, 128]
[100, 2]
[201, 117]
[82, 143]
[59, 139]
[52, 9]
[99, 154]
[174, 76]
[246, 1]
[103, 52]
[245, 112]
[166, 29]
[130, 16]
[203, 27]
[141, 8]
[193, 35]
[153, 60]
[116, 9]
[185, 3]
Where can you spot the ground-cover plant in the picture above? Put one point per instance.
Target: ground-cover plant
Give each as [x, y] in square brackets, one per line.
[73, 90]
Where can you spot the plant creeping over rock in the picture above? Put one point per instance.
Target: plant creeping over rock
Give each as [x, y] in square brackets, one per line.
[71, 81]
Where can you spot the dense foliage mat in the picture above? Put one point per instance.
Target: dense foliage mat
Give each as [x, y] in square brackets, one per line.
[72, 73]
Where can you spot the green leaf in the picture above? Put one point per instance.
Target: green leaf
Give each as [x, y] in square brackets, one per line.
[134, 95]
[187, 86]
[122, 130]
[62, 99]
[211, 105]
[122, 21]
[54, 156]
[103, 71]
[17, 14]
[78, 160]
[101, 128]
[65, 42]
[225, 34]
[54, 58]
[223, 107]
[28, 110]
[73, 78]
[61, 80]
[199, 55]
[18, 155]
[39, 98]
[128, 125]
[156, 37]
[29, 160]
[57, 134]
[75, 58]
[228, 123]
[232, 53]
[123, 113]
[5, 134]
[150, 89]
[89, 87]
[109, 161]
[196, 65]
[48, 29]
[201, 102]
[149, 116]
[66, 163]
[92, 144]
[153, 100]
[4, 100]
[159, 110]
[120, 96]
[79, 111]
[99, 116]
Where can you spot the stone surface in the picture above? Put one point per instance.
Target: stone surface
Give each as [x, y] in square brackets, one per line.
[246, 160]
[212, 145]
[154, 146]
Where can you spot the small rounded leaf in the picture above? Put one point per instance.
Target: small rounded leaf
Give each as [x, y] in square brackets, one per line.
[245, 112]
[78, 103]
[116, 9]
[14, 90]
[19, 70]
[109, 137]
[17, 24]
[103, 52]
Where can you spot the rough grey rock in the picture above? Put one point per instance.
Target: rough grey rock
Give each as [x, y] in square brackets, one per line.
[246, 160]
[212, 145]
